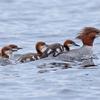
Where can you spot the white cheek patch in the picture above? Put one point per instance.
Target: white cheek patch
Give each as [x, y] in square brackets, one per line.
[69, 45]
[8, 52]
[44, 49]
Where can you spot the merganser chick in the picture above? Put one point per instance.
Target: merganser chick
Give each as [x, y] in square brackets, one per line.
[13, 48]
[57, 48]
[87, 36]
[68, 43]
[40, 48]
[6, 54]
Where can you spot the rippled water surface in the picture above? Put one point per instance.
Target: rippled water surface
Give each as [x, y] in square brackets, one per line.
[25, 22]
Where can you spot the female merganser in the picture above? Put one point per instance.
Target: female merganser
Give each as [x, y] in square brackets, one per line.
[87, 36]
[57, 48]
[40, 48]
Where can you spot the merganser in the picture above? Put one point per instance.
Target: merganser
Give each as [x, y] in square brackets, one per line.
[6, 54]
[12, 48]
[87, 36]
[57, 48]
[40, 48]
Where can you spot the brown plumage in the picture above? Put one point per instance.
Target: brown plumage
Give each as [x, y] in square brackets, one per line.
[33, 56]
[14, 47]
[5, 51]
[39, 46]
[88, 34]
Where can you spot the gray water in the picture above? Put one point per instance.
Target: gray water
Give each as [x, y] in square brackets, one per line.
[24, 22]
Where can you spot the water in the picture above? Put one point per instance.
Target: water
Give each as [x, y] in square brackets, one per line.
[25, 22]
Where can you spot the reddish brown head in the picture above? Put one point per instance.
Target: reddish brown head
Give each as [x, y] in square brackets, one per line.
[14, 47]
[69, 43]
[5, 52]
[88, 34]
[40, 46]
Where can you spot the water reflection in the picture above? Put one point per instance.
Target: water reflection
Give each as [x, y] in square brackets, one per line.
[4, 62]
[47, 67]
[88, 63]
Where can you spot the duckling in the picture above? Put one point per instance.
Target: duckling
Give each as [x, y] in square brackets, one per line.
[40, 48]
[57, 48]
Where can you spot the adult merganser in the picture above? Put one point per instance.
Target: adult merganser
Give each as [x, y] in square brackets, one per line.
[40, 48]
[87, 36]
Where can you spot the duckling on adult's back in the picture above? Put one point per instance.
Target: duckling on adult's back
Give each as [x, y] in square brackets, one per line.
[57, 48]
[87, 36]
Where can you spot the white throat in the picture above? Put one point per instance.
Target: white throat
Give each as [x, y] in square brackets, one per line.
[88, 50]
